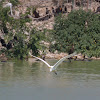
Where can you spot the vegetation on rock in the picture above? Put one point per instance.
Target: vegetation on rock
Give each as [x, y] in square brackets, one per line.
[17, 27]
[80, 29]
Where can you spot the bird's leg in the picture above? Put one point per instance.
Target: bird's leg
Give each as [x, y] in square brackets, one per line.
[55, 72]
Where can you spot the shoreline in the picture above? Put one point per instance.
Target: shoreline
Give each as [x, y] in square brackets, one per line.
[54, 56]
[61, 55]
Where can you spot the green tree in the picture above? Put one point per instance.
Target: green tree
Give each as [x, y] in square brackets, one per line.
[14, 2]
[17, 27]
[34, 41]
[81, 30]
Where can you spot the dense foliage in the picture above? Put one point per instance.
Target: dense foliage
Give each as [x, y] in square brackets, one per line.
[11, 27]
[19, 49]
[34, 41]
[14, 2]
[80, 29]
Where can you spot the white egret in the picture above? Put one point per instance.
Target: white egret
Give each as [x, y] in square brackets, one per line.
[9, 5]
[53, 68]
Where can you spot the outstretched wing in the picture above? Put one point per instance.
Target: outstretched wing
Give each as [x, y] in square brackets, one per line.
[40, 59]
[62, 59]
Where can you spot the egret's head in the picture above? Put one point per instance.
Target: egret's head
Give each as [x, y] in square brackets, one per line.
[50, 69]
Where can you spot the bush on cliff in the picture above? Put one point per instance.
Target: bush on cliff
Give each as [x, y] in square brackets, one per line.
[80, 29]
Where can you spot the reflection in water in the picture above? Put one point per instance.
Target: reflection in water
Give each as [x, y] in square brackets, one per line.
[19, 78]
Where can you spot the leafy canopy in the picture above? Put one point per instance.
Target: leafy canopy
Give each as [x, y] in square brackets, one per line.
[79, 28]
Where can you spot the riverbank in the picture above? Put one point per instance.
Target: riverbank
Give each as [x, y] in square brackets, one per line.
[27, 26]
[61, 55]
[79, 56]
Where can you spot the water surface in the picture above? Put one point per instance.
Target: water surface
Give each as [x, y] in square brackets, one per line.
[24, 80]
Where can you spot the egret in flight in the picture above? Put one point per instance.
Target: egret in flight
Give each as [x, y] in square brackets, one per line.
[53, 68]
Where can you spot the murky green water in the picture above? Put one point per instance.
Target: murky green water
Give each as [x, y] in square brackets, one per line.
[23, 80]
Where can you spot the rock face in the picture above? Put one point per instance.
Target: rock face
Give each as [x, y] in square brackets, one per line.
[56, 56]
[36, 3]
[40, 25]
[41, 6]
[94, 6]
